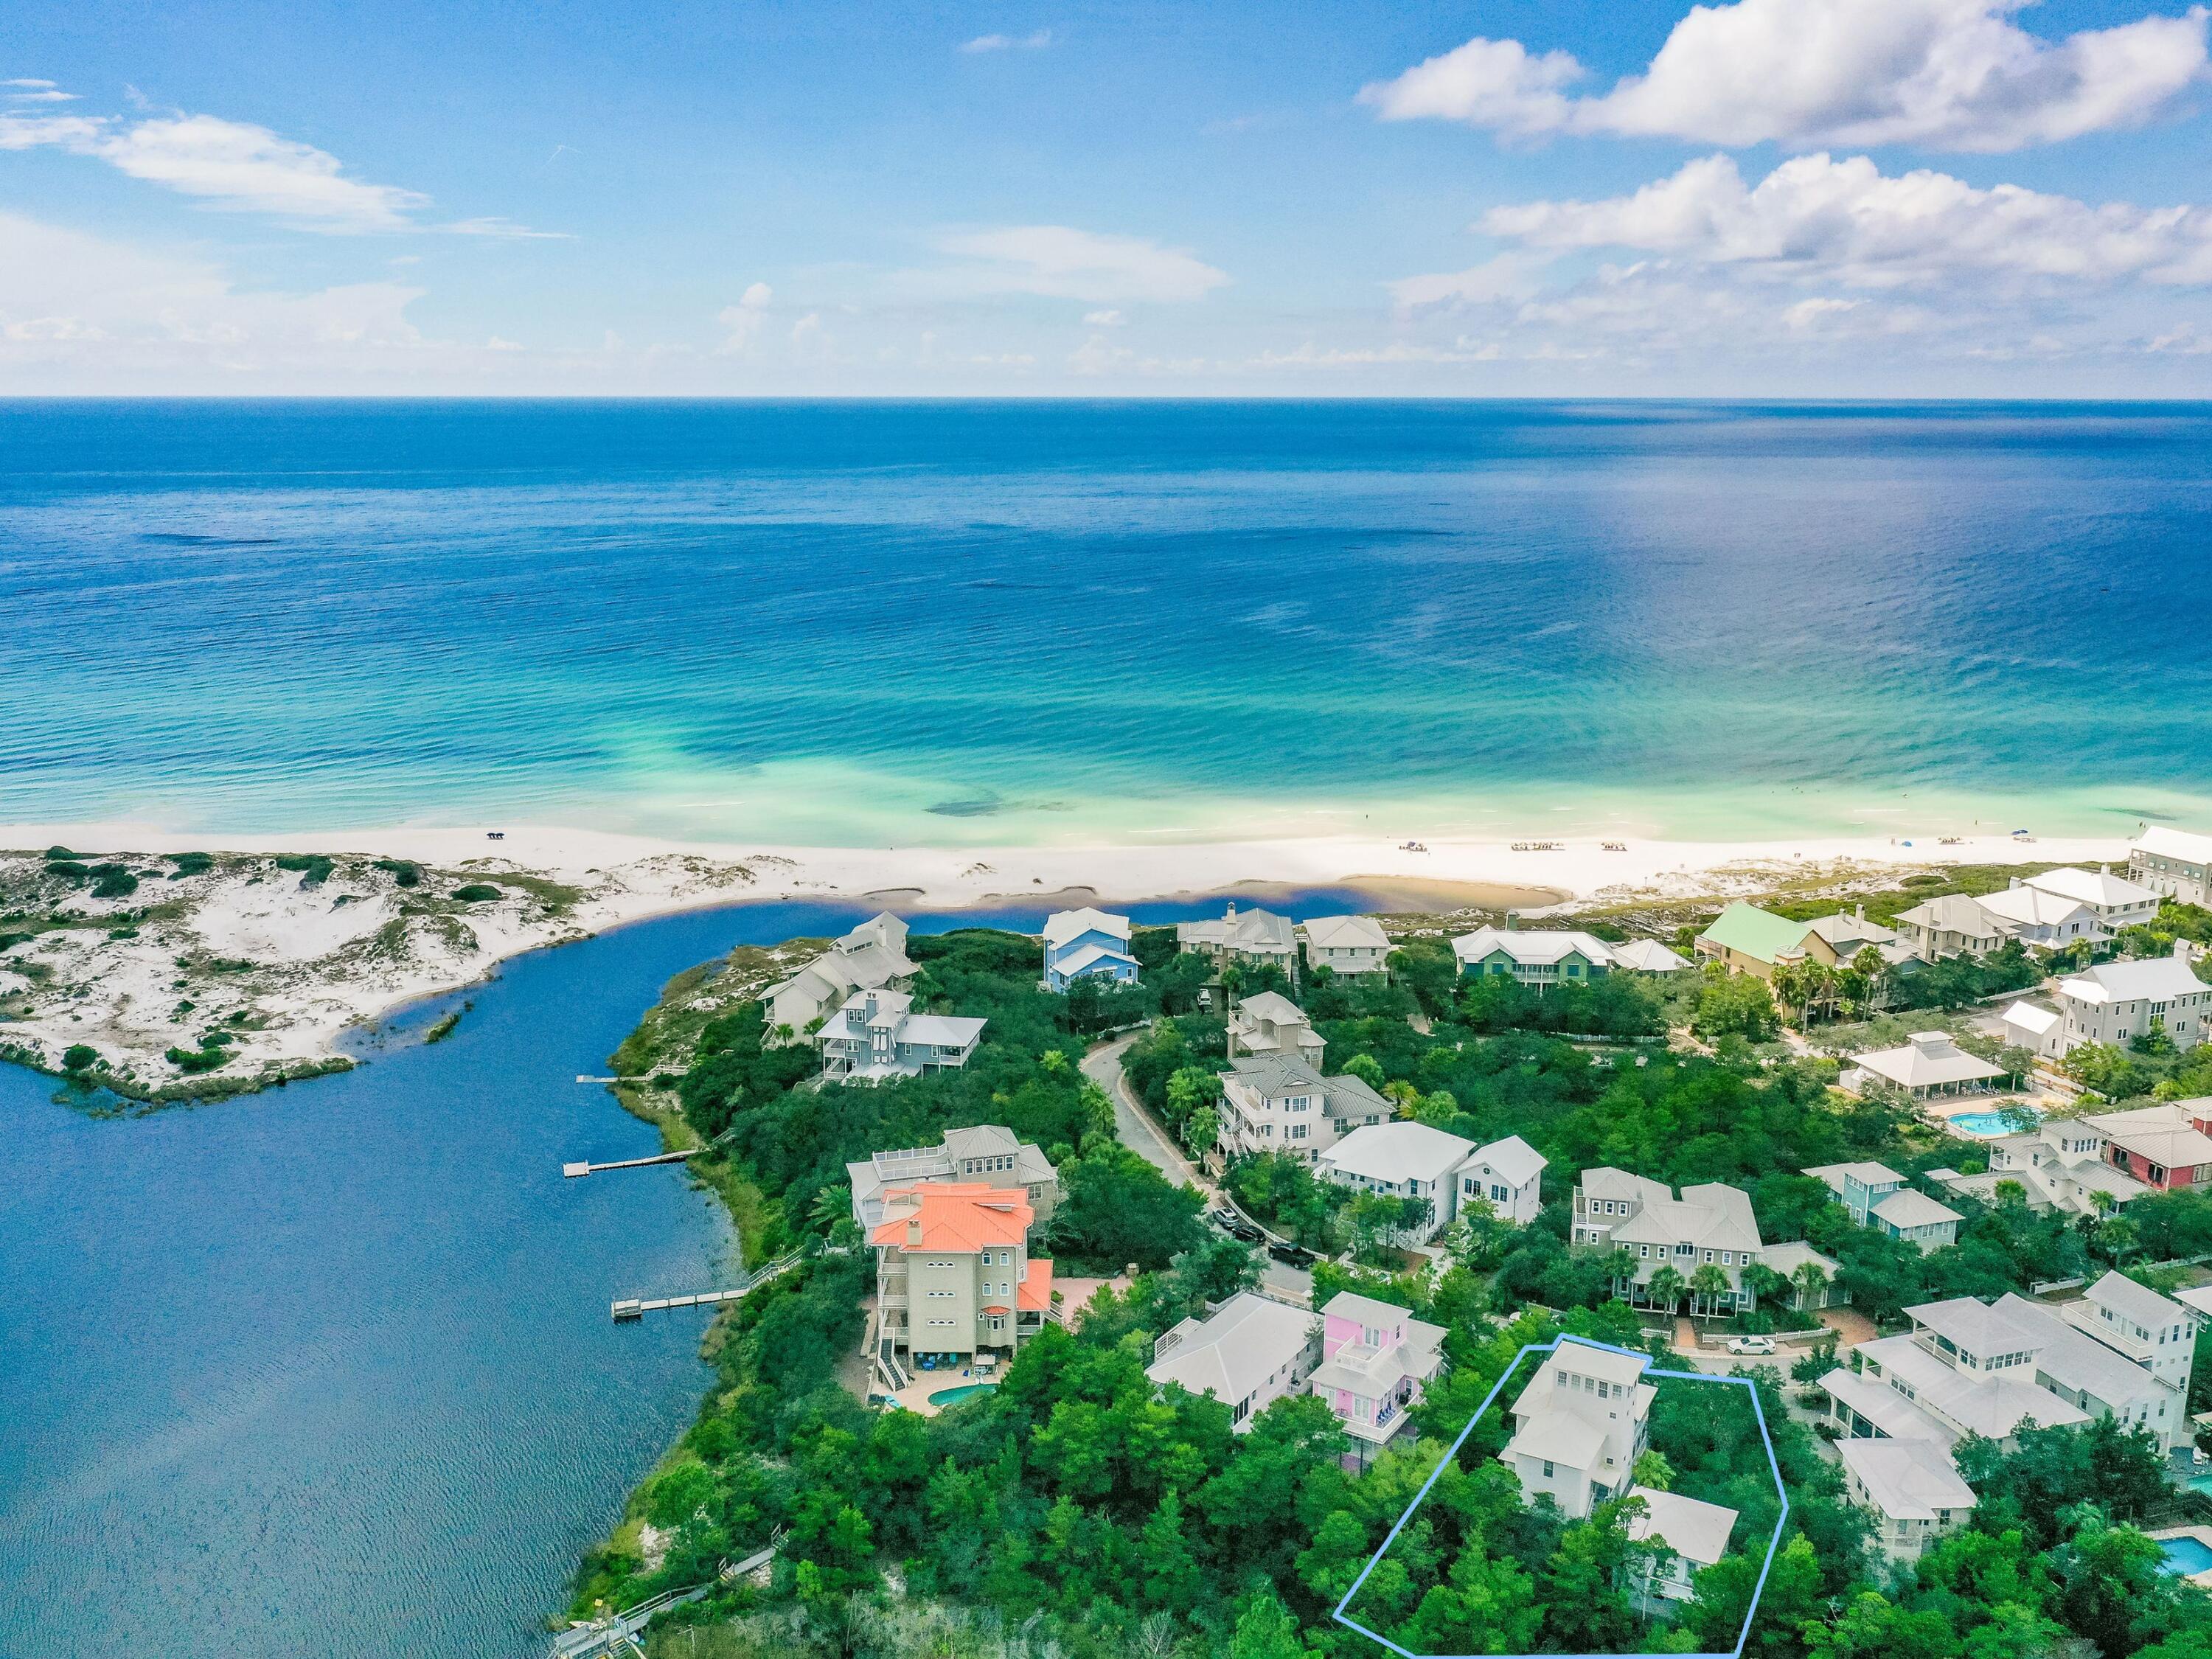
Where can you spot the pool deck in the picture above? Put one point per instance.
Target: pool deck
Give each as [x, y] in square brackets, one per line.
[2203, 1536]
[916, 1395]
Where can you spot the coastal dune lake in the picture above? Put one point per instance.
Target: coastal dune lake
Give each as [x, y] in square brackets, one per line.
[870, 625]
[327, 1372]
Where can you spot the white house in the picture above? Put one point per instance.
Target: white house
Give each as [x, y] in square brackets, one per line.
[871, 957]
[2037, 916]
[1928, 1063]
[1271, 1023]
[2059, 1165]
[876, 1037]
[1647, 955]
[1412, 1160]
[2116, 901]
[1580, 1425]
[1911, 1487]
[1693, 1535]
[1086, 944]
[1403, 1160]
[1247, 1352]
[2115, 1001]
[1347, 945]
[1509, 1174]
[1375, 1360]
[1954, 925]
[1243, 936]
[2158, 1332]
[2039, 1029]
[2175, 864]
[985, 1152]
[1275, 1103]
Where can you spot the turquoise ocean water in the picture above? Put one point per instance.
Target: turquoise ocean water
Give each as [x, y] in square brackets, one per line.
[893, 623]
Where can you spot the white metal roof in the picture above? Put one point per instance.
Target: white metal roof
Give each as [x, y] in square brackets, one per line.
[2098, 887]
[1513, 1158]
[1235, 1350]
[1908, 1208]
[1534, 947]
[2029, 1017]
[1907, 1480]
[1341, 932]
[1695, 1530]
[1399, 1152]
[2137, 1301]
[2183, 844]
[1062, 925]
[1930, 1060]
[1647, 956]
[2156, 978]
[2036, 907]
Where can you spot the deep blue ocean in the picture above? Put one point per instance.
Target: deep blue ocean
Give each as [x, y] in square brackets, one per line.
[900, 622]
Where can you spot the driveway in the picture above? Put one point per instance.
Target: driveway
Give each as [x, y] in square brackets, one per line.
[1136, 1128]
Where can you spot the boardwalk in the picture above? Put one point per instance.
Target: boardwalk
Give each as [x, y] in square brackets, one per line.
[616, 1637]
[633, 1307]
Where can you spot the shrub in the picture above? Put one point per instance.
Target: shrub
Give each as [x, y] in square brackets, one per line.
[196, 1060]
[61, 853]
[404, 873]
[476, 892]
[80, 1057]
[69, 869]
[315, 868]
[113, 881]
[190, 863]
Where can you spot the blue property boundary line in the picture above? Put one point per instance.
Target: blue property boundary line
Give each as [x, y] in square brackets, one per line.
[1765, 1439]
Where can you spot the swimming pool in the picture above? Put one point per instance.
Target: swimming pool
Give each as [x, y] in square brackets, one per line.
[2185, 1556]
[1988, 1126]
[954, 1396]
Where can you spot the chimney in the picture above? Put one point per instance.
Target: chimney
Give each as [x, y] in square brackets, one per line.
[1859, 914]
[914, 1232]
[2014, 882]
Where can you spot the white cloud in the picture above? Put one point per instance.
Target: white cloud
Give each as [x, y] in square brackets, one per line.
[1844, 221]
[1076, 265]
[501, 229]
[744, 321]
[1514, 275]
[1036, 42]
[1956, 74]
[1103, 318]
[238, 166]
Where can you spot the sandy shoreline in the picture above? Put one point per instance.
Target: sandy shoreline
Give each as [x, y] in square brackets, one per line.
[284, 964]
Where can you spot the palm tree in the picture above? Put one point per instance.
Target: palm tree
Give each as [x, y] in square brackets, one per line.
[1711, 1282]
[831, 1205]
[1810, 1278]
[1665, 1287]
[1763, 1282]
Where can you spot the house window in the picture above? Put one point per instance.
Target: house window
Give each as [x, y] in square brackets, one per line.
[1548, 1465]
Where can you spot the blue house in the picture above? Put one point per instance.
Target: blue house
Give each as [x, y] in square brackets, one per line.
[1086, 944]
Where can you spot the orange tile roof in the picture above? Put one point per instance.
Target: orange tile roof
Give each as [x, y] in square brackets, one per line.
[1035, 1291]
[954, 1216]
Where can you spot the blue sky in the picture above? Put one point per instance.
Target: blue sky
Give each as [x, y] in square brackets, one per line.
[1793, 197]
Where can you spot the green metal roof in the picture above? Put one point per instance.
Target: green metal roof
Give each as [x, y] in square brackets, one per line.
[1759, 934]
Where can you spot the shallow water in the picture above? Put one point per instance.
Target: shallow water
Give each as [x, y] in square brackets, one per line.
[977, 623]
[329, 1370]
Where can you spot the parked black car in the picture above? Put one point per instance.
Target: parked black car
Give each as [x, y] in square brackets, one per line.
[1296, 1256]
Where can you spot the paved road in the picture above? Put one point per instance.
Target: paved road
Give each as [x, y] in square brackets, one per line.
[1135, 1128]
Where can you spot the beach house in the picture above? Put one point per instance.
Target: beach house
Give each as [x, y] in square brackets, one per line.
[984, 1153]
[2175, 864]
[1539, 958]
[1243, 936]
[1911, 1488]
[1347, 945]
[954, 1276]
[1276, 1102]
[1877, 1197]
[1413, 1160]
[1969, 1367]
[1579, 1426]
[2061, 1164]
[2035, 915]
[870, 958]
[1927, 1064]
[2117, 1001]
[2158, 1332]
[1690, 1535]
[1747, 939]
[1247, 1352]
[1951, 925]
[1086, 944]
[2166, 1147]
[1271, 1023]
[1375, 1360]
[2114, 901]
[877, 1036]
[1709, 1225]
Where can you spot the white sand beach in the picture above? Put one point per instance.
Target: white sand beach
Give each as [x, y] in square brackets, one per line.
[286, 967]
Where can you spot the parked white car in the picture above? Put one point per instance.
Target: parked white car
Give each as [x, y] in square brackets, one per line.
[1751, 1345]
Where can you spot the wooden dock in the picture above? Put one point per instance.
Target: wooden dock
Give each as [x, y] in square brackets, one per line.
[572, 1170]
[635, 1307]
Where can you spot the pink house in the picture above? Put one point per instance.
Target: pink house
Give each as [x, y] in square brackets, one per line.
[1376, 1360]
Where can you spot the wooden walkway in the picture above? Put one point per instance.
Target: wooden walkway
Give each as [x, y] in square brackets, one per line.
[616, 1637]
[572, 1170]
[637, 1306]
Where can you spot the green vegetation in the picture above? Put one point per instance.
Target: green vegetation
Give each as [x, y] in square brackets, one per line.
[113, 881]
[443, 1026]
[190, 863]
[404, 873]
[314, 867]
[80, 1057]
[1101, 1517]
[69, 869]
[476, 892]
